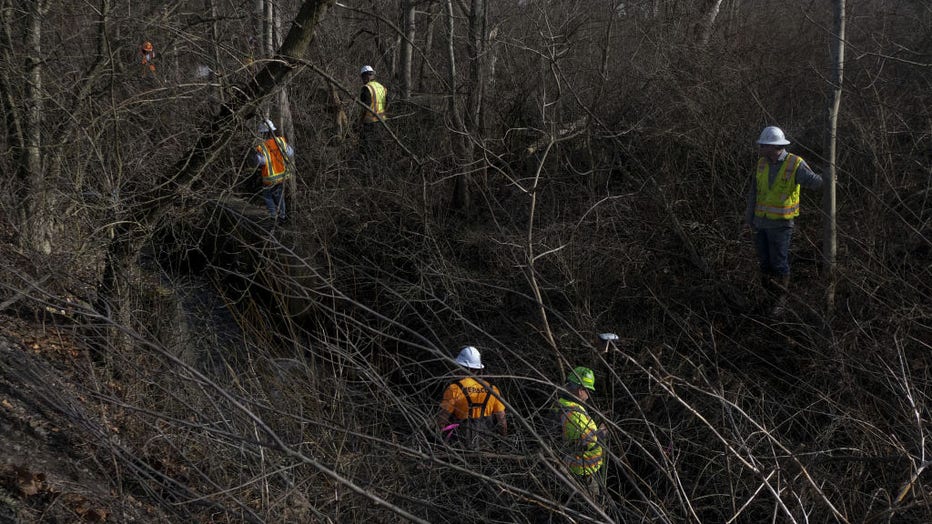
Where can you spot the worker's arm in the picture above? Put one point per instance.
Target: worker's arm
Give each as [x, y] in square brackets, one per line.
[602, 434]
[447, 406]
[591, 433]
[502, 423]
[807, 178]
[366, 98]
[443, 419]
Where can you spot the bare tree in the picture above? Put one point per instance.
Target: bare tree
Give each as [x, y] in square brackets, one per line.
[461, 144]
[408, 12]
[270, 23]
[829, 237]
[35, 218]
[707, 24]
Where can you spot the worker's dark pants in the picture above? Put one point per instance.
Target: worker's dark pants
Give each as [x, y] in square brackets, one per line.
[773, 250]
[370, 145]
[275, 200]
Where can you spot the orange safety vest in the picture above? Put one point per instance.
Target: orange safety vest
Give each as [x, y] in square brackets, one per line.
[275, 169]
[479, 399]
[377, 93]
[472, 412]
[147, 59]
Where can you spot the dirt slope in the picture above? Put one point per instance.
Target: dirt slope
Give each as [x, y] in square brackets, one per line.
[48, 468]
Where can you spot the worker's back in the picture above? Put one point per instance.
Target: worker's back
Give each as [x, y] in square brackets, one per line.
[472, 404]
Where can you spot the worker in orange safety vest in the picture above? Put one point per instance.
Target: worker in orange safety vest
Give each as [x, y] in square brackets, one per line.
[147, 58]
[471, 407]
[274, 156]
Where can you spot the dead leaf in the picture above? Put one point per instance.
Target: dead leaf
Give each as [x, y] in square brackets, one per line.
[84, 508]
[29, 483]
[95, 515]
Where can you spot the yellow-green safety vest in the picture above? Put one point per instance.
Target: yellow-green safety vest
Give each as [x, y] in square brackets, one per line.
[781, 200]
[377, 93]
[581, 434]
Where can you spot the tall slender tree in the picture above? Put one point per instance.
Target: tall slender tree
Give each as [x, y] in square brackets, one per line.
[461, 145]
[35, 218]
[407, 46]
[829, 237]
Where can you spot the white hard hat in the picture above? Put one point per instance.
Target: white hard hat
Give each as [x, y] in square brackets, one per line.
[469, 358]
[772, 136]
[266, 126]
[366, 69]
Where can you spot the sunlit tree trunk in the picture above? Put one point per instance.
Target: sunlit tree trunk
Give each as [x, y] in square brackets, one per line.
[708, 22]
[211, 7]
[280, 110]
[829, 238]
[35, 214]
[407, 47]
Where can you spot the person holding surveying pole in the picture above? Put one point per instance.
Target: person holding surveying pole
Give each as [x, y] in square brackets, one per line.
[582, 438]
[273, 156]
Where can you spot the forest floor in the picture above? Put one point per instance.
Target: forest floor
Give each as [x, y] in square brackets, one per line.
[48, 423]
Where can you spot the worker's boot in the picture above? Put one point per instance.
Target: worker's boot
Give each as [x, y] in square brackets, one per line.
[782, 286]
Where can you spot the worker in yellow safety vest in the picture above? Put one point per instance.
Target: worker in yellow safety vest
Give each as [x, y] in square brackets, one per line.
[582, 437]
[273, 156]
[772, 206]
[374, 98]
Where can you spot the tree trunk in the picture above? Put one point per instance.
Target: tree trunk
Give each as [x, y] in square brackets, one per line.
[407, 47]
[35, 213]
[708, 22]
[428, 42]
[829, 237]
[12, 111]
[460, 141]
[217, 69]
[476, 48]
[282, 112]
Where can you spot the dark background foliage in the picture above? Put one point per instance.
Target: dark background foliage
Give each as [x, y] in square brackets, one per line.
[558, 169]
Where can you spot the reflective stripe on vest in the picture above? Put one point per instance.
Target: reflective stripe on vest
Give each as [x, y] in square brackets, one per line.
[275, 169]
[580, 432]
[781, 200]
[377, 94]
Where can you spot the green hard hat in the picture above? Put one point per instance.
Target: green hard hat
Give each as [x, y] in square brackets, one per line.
[583, 377]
